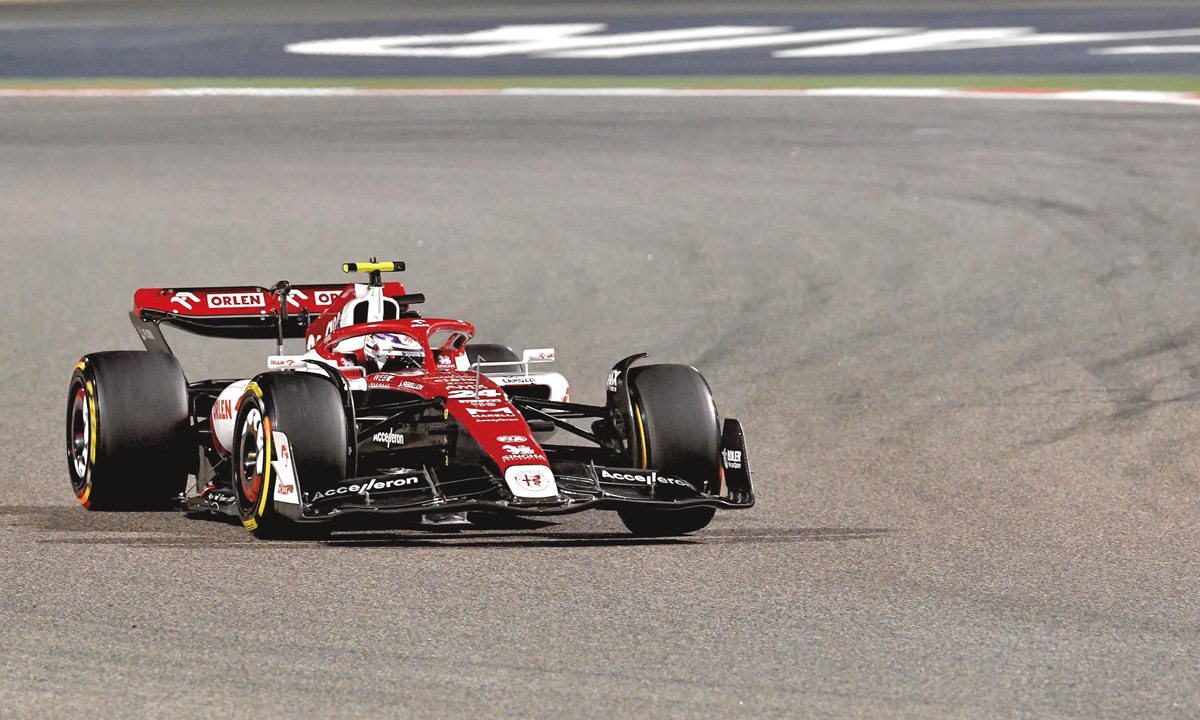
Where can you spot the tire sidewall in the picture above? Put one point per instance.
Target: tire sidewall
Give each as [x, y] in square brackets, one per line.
[81, 484]
[253, 510]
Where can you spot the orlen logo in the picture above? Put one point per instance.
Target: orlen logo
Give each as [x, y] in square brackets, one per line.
[732, 459]
[325, 297]
[223, 410]
[236, 300]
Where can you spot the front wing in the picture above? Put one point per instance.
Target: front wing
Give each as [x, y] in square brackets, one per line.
[458, 489]
[580, 487]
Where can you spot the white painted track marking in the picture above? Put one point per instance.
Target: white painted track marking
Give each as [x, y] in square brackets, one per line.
[590, 41]
[1124, 96]
[736, 43]
[1147, 50]
[974, 39]
[538, 40]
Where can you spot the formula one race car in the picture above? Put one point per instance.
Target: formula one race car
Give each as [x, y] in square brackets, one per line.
[386, 413]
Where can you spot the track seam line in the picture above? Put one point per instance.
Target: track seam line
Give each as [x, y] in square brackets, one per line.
[1125, 96]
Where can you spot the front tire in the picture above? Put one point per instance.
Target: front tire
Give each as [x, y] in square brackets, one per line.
[680, 434]
[128, 428]
[307, 410]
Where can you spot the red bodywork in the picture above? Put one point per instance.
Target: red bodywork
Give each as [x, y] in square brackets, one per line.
[243, 301]
[478, 404]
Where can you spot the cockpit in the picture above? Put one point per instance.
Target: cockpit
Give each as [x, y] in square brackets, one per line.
[392, 352]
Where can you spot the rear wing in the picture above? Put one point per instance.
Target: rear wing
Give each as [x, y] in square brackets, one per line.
[243, 312]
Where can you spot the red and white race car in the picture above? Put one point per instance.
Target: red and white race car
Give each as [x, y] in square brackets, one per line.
[386, 412]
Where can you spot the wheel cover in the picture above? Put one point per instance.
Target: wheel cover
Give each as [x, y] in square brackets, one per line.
[80, 437]
[251, 456]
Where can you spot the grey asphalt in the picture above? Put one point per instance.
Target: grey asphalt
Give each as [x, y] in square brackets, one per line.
[962, 336]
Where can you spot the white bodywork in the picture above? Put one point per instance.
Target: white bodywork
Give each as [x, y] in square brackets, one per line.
[560, 389]
[285, 474]
[224, 413]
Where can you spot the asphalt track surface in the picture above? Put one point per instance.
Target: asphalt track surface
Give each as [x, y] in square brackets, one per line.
[137, 40]
[961, 335]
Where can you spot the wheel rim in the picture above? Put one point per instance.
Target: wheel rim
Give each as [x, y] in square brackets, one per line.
[80, 437]
[251, 456]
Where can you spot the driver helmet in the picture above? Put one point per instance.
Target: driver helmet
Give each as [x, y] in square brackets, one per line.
[394, 351]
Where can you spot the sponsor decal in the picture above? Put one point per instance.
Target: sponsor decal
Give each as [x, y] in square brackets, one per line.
[492, 414]
[521, 453]
[516, 380]
[537, 457]
[219, 498]
[647, 477]
[223, 409]
[731, 459]
[285, 476]
[325, 297]
[236, 300]
[372, 485]
[512, 439]
[613, 377]
[531, 481]
[185, 299]
[283, 362]
[388, 437]
[419, 323]
[389, 381]
[470, 392]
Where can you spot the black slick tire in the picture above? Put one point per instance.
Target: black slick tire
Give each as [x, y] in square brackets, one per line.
[128, 431]
[676, 418]
[307, 409]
